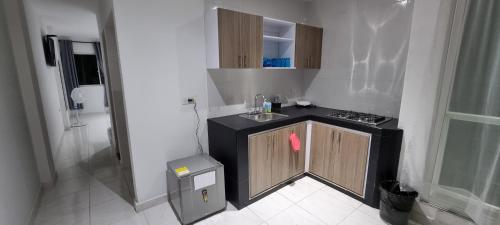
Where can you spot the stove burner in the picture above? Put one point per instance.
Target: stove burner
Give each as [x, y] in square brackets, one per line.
[359, 117]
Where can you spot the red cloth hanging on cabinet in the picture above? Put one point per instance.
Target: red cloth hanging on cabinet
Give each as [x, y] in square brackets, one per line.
[295, 142]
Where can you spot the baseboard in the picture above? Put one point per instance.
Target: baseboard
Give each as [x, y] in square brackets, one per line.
[55, 153]
[50, 185]
[36, 206]
[141, 206]
[424, 213]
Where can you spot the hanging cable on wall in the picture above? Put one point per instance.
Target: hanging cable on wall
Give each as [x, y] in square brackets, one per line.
[198, 120]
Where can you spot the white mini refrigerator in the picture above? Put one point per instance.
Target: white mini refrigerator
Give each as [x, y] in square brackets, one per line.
[195, 187]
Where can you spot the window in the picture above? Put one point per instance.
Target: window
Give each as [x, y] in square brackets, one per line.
[466, 176]
[86, 68]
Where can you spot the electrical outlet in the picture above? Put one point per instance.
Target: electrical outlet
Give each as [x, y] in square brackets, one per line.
[188, 101]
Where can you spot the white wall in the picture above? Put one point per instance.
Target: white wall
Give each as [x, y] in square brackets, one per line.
[169, 63]
[94, 98]
[428, 44]
[29, 89]
[364, 54]
[73, 19]
[48, 80]
[19, 184]
[167, 66]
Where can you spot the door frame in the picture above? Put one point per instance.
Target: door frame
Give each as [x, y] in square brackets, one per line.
[440, 130]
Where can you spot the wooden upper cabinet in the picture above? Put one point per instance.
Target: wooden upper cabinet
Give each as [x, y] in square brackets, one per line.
[308, 46]
[251, 36]
[240, 39]
[237, 40]
[340, 156]
[301, 46]
[316, 41]
[229, 39]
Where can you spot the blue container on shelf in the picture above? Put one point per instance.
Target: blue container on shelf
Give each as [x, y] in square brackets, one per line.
[276, 62]
[281, 62]
[287, 62]
[267, 62]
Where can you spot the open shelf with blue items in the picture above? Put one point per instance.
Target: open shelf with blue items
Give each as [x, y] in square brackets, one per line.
[279, 44]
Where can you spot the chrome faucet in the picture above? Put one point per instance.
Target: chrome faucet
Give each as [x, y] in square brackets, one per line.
[256, 110]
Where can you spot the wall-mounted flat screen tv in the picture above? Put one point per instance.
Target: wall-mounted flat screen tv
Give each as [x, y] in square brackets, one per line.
[49, 50]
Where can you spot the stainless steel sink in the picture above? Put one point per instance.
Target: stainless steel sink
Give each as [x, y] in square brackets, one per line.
[263, 117]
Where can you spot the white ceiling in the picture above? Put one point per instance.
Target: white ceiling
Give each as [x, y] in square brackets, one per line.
[75, 19]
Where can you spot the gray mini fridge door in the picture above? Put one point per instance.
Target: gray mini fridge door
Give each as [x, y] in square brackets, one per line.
[196, 195]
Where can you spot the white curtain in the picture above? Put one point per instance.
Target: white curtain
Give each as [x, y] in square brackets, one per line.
[469, 176]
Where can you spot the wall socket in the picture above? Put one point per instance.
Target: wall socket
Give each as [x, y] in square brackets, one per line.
[189, 101]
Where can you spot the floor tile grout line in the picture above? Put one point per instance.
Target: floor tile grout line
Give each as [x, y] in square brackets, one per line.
[146, 218]
[254, 213]
[59, 197]
[293, 203]
[88, 169]
[366, 214]
[325, 222]
[297, 204]
[324, 188]
[303, 197]
[280, 211]
[340, 222]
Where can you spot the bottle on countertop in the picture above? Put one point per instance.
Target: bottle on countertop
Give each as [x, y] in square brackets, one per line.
[266, 106]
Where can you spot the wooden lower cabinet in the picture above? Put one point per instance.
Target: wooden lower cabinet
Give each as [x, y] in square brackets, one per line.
[260, 152]
[271, 158]
[340, 156]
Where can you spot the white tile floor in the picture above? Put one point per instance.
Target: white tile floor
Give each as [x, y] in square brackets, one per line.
[92, 190]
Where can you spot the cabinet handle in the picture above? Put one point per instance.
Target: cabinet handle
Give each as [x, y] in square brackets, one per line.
[239, 61]
[245, 61]
[267, 146]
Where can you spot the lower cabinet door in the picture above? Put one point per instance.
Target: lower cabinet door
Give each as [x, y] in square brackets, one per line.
[260, 153]
[339, 156]
[272, 159]
[288, 163]
[352, 161]
[322, 150]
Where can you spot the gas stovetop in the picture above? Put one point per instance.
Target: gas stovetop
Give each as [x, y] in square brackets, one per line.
[359, 117]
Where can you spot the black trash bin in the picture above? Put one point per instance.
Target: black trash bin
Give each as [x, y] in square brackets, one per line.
[395, 204]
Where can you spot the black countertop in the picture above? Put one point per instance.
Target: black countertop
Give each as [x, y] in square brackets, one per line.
[296, 114]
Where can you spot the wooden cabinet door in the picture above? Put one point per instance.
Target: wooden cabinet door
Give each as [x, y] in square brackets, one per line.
[301, 46]
[251, 39]
[229, 39]
[352, 161]
[286, 162]
[308, 46]
[316, 45]
[296, 159]
[339, 156]
[322, 149]
[260, 153]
